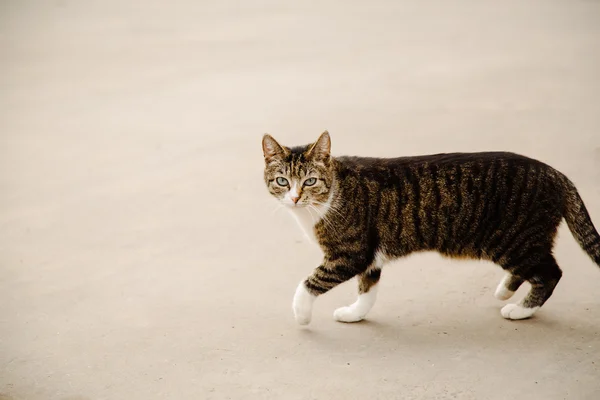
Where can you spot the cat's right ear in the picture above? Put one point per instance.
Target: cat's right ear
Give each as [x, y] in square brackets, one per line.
[271, 149]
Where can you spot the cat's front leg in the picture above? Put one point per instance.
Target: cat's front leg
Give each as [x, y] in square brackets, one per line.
[323, 279]
[367, 294]
[302, 304]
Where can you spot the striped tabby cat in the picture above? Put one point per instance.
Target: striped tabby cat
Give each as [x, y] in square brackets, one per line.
[363, 212]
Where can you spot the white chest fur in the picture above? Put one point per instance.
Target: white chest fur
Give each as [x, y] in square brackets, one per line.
[306, 219]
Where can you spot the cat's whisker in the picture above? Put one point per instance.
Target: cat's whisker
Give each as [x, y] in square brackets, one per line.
[277, 207]
[325, 219]
[332, 208]
[308, 208]
[316, 210]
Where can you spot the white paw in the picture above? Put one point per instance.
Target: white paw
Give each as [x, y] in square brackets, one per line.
[302, 305]
[515, 311]
[347, 314]
[302, 318]
[502, 293]
[359, 309]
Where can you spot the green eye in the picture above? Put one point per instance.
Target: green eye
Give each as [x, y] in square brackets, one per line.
[281, 181]
[310, 181]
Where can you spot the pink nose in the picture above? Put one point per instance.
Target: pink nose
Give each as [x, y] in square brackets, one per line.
[295, 199]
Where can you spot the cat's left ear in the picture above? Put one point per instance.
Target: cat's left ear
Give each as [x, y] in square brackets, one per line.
[321, 149]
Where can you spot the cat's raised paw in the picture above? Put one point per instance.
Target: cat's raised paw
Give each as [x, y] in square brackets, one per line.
[515, 311]
[347, 314]
[302, 312]
[302, 305]
[303, 319]
[502, 293]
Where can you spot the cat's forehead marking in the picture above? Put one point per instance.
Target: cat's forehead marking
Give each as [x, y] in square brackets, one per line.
[296, 164]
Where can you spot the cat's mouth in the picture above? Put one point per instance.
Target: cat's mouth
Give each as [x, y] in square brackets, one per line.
[291, 204]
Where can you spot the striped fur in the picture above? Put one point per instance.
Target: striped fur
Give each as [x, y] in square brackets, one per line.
[496, 206]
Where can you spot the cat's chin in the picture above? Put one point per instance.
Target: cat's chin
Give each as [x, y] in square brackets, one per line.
[299, 206]
[296, 206]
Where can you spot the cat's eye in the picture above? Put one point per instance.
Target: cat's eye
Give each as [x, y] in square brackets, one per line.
[282, 181]
[310, 181]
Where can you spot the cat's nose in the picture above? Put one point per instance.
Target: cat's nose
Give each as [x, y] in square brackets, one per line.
[295, 199]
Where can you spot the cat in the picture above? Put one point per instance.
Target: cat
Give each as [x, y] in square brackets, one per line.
[364, 212]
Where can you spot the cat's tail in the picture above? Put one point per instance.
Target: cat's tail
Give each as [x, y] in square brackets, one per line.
[579, 222]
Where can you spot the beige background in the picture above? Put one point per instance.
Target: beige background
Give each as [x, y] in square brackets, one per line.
[140, 257]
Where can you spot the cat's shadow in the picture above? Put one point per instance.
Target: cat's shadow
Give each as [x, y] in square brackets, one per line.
[382, 336]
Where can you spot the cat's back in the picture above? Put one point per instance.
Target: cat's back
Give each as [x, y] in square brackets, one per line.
[438, 161]
[373, 167]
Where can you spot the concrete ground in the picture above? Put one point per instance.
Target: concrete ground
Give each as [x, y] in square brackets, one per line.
[140, 257]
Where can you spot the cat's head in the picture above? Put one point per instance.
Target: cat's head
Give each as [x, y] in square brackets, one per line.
[299, 176]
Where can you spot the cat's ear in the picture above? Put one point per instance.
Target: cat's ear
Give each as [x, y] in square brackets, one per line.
[272, 149]
[321, 149]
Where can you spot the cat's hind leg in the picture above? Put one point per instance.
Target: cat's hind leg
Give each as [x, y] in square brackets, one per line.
[543, 277]
[367, 295]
